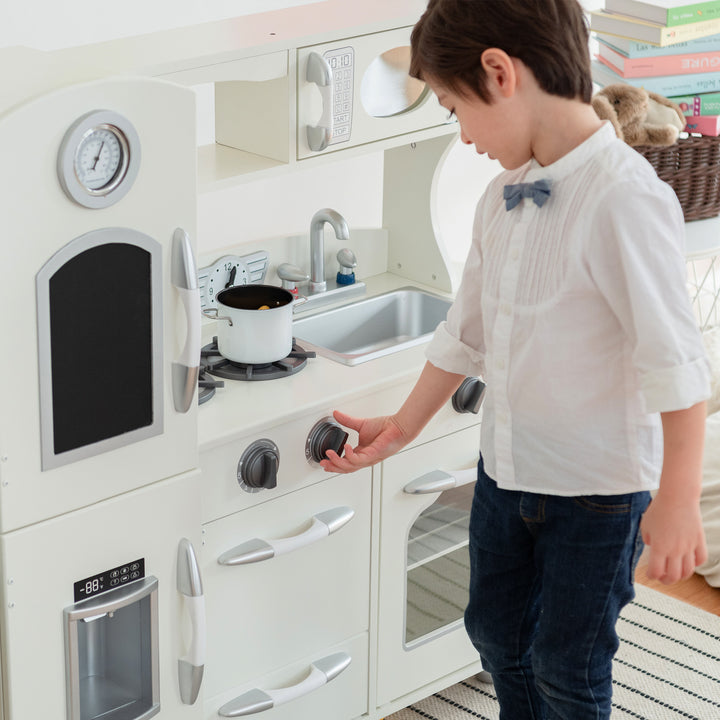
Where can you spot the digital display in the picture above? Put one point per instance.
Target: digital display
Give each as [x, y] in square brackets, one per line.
[109, 579]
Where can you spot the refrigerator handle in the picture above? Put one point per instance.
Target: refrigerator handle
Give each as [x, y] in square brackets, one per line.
[189, 585]
[184, 277]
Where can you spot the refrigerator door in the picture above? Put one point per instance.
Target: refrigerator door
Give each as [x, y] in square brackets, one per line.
[50, 566]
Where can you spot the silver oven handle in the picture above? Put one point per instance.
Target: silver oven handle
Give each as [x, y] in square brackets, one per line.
[256, 550]
[254, 701]
[184, 277]
[189, 584]
[318, 71]
[439, 480]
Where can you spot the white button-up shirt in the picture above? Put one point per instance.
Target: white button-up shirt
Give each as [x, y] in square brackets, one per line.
[577, 316]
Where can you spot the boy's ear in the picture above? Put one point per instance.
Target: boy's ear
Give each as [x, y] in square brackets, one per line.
[500, 71]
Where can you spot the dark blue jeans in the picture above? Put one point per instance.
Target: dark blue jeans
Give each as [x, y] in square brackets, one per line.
[549, 576]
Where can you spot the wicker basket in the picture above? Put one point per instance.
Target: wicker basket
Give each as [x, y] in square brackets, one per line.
[692, 169]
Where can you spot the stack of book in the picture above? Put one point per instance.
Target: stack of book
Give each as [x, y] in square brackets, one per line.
[670, 47]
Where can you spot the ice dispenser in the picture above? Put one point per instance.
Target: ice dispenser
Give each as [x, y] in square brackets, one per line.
[111, 643]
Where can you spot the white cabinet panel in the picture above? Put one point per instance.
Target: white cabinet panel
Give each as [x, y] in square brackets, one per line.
[262, 615]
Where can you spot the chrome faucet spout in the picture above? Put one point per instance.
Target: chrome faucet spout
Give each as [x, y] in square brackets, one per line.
[317, 244]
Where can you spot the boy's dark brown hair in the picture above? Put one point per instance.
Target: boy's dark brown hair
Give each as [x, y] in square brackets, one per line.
[549, 36]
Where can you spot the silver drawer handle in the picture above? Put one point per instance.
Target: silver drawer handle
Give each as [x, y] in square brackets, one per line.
[256, 550]
[254, 701]
[439, 480]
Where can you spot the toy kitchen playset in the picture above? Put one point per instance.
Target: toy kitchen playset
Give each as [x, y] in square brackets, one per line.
[179, 553]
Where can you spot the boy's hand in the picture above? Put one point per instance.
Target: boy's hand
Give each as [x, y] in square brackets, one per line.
[378, 438]
[672, 529]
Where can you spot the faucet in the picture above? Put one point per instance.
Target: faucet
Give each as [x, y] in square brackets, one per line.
[317, 244]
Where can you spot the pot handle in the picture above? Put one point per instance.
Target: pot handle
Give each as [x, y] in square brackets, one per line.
[207, 314]
[299, 300]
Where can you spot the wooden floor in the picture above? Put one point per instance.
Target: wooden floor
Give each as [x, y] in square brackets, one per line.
[694, 590]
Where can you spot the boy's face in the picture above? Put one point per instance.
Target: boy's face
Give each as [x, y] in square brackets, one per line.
[490, 127]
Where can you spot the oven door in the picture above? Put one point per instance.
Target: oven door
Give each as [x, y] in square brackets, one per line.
[424, 565]
[358, 90]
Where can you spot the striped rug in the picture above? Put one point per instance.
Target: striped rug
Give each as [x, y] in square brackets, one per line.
[667, 668]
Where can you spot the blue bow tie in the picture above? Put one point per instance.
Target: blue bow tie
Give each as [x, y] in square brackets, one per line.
[539, 191]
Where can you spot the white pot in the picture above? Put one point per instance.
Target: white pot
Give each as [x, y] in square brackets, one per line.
[248, 334]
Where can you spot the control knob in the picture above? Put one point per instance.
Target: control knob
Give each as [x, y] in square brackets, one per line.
[469, 396]
[258, 466]
[325, 435]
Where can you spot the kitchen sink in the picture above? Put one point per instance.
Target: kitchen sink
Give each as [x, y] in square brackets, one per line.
[371, 328]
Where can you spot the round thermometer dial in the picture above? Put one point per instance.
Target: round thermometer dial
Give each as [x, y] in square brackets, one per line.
[99, 159]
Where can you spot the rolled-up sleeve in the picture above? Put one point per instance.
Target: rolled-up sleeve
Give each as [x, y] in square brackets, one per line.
[458, 345]
[639, 266]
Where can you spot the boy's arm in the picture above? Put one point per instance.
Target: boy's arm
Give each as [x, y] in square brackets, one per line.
[380, 437]
[672, 525]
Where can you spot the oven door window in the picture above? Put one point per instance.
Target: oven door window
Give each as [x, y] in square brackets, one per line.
[100, 344]
[438, 566]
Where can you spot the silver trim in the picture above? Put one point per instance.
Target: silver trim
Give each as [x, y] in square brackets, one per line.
[183, 276]
[249, 703]
[75, 247]
[123, 129]
[251, 551]
[189, 581]
[102, 604]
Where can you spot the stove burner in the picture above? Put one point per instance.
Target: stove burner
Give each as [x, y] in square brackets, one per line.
[215, 364]
[206, 385]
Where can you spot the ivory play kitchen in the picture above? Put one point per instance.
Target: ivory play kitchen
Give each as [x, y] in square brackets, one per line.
[169, 545]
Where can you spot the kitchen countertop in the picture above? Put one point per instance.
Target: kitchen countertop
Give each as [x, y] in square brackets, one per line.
[242, 407]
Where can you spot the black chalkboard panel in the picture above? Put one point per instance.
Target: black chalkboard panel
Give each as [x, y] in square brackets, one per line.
[101, 345]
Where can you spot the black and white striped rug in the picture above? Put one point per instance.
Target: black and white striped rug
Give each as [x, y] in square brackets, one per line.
[667, 668]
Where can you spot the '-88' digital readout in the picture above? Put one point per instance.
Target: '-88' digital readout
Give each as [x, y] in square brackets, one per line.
[109, 579]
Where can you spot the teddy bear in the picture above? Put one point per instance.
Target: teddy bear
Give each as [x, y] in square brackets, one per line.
[638, 116]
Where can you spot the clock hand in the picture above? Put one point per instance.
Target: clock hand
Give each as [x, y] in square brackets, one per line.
[97, 157]
[231, 279]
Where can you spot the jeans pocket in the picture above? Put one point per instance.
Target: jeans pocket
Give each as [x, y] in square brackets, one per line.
[605, 504]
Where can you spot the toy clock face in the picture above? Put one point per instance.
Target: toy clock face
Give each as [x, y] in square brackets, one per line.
[99, 159]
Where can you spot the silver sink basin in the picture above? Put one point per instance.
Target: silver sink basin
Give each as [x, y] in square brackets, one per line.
[368, 329]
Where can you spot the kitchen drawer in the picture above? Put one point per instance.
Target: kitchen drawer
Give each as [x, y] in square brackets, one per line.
[343, 698]
[262, 615]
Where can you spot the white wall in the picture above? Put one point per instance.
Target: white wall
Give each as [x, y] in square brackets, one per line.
[250, 212]
[50, 24]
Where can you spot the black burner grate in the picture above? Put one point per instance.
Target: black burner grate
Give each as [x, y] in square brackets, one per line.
[215, 364]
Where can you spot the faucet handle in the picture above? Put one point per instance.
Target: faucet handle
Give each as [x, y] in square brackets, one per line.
[346, 259]
[290, 276]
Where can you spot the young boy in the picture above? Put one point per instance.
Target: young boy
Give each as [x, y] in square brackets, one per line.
[573, 308]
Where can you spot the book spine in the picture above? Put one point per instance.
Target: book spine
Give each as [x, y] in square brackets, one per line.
[680, 14]
[635, 49]
[698, 105]
[684, 14]
[664, 85]
[661, 65]
[691, 31]
[703, 124]
[662, 35]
